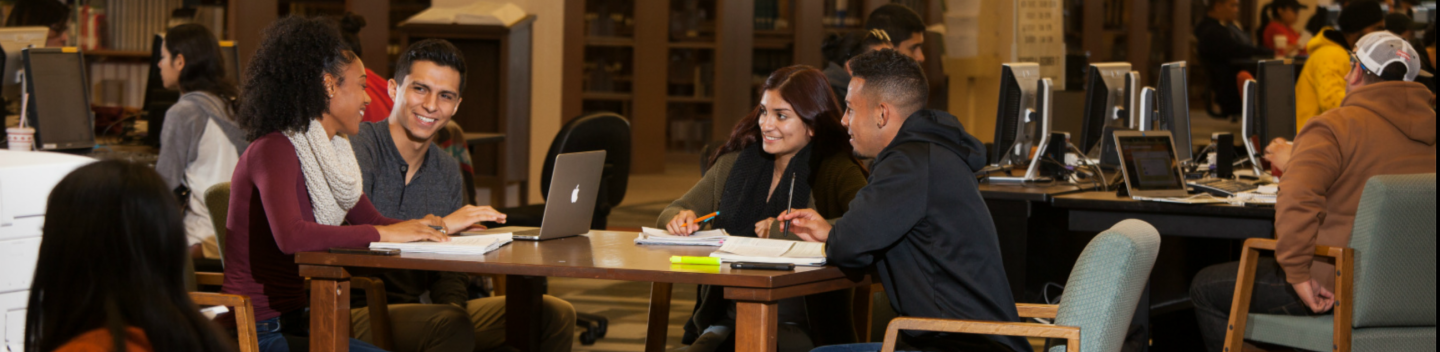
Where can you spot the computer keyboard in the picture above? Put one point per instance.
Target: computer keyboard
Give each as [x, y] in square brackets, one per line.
[1221, 187]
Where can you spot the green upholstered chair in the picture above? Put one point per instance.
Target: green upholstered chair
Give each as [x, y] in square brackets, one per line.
[1385, 280]
[1101, 296]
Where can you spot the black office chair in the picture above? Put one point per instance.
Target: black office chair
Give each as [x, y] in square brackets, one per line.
[599, 131]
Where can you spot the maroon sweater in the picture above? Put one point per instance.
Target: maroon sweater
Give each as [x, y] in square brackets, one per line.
[271, 219]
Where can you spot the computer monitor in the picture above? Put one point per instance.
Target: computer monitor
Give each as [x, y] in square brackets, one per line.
[232, 64]
[157, 98]
[1132, 98]
[1250, 97]
[1276, 106]
[1042, 115]
[12, 41]
[1174, 108]
[59, 104]
[1104, 102]
[1017, 101]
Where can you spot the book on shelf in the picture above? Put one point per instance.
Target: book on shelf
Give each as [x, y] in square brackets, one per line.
[654, 236]
[464, 244]
[764, 250]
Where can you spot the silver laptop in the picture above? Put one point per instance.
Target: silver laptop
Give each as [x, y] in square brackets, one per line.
[1149, 165]
[570, 205]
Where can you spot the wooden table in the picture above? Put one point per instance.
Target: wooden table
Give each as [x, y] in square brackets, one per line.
[608, 255]
[1021, 211]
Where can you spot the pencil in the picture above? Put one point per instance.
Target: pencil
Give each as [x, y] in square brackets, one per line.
[789, 206]
[706, 218]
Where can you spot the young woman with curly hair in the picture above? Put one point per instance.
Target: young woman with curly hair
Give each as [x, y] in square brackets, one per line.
[298, 187]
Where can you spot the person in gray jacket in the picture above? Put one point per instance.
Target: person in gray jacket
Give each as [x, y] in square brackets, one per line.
[200, 142]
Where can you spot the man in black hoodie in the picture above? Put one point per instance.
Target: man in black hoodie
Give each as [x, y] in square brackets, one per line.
[920, 222]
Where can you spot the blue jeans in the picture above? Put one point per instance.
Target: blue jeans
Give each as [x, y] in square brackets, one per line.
[267, 332]
[854, 347]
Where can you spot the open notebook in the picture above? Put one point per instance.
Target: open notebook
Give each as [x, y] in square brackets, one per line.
[654, 236]
[761, 250]
[473, 244]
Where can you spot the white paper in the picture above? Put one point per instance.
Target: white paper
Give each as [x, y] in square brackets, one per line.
[706, 235]
[476, 244]
[756, 247]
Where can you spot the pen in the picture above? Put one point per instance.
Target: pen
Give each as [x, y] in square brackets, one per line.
[705, 218]
[789, 205]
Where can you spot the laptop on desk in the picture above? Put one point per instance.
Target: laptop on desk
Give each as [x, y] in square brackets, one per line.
[1151, 169]
[570, 203]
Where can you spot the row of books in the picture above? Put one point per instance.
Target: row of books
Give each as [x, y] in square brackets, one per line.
[772, 14]
[119, 84]
[131, 24]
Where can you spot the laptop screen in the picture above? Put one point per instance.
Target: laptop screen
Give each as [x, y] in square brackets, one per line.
[1150, 162]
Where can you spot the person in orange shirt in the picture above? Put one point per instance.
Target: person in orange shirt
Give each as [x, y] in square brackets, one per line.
[112, 262]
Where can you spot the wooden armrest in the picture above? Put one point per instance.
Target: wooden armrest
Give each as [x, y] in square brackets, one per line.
[1047, 311]
[209, 278]
[1069, 333]
[244, 313]
[1266, 244]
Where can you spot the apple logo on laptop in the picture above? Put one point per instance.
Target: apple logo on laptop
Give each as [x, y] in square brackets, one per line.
[575, 195]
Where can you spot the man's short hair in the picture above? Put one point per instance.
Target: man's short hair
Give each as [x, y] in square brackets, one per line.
[438, 51]
[1358, 15]
[893, 78]
[898, 21]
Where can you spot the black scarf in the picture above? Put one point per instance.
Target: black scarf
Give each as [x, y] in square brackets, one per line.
[742, 203]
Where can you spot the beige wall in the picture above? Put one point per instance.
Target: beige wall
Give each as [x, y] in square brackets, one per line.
[545, 78]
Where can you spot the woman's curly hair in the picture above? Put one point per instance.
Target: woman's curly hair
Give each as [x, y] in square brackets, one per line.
[285, 88]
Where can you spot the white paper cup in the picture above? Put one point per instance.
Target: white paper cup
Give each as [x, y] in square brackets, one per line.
[20, 138]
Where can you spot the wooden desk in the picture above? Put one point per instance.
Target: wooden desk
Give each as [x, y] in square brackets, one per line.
[1022, 211]
[607, 255]
[1097, 211]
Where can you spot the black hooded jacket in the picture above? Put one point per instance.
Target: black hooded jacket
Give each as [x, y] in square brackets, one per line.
[923, 226]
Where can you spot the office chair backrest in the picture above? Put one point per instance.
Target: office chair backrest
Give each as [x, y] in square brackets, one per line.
[1394, 244]
[600, 131]
[217, 201]
[1105, 285]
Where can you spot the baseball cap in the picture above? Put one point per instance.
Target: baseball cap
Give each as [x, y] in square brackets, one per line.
[1379, 50]
[1358, 15]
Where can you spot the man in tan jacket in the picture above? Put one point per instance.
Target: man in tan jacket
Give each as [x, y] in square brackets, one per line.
[1385, 126]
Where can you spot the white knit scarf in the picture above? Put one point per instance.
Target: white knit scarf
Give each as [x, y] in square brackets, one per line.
[331, 173]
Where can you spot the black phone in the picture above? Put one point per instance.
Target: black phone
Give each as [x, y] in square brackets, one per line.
[366, 251]
[762, 266]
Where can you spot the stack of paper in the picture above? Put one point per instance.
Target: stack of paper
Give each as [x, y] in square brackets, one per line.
[761, 250]
[1266, 194]
[656, 236]
[477, 244]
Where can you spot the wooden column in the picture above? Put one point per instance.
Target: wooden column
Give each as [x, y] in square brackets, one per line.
[256, 15]
[652, 30]
[573, 56]
[1138, 47]
[1180, 31]
[757, 337]
[735, 38]
[658, 325]
[375, 37]
[809, 33]
[1092, 32]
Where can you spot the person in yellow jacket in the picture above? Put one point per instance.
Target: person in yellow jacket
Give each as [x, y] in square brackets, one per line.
[1321, 85]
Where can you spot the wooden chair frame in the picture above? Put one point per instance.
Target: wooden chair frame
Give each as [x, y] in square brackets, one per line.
[244, 315]
[1245, 283]
[1069, 333]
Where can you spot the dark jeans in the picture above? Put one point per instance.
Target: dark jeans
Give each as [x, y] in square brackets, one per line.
[288, 333]
[1213, 291]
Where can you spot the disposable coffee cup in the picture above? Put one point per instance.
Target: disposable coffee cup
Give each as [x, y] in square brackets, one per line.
[20, 138]
[1281, 45]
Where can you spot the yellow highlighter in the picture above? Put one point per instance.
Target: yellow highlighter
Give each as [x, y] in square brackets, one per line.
[694, 260]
